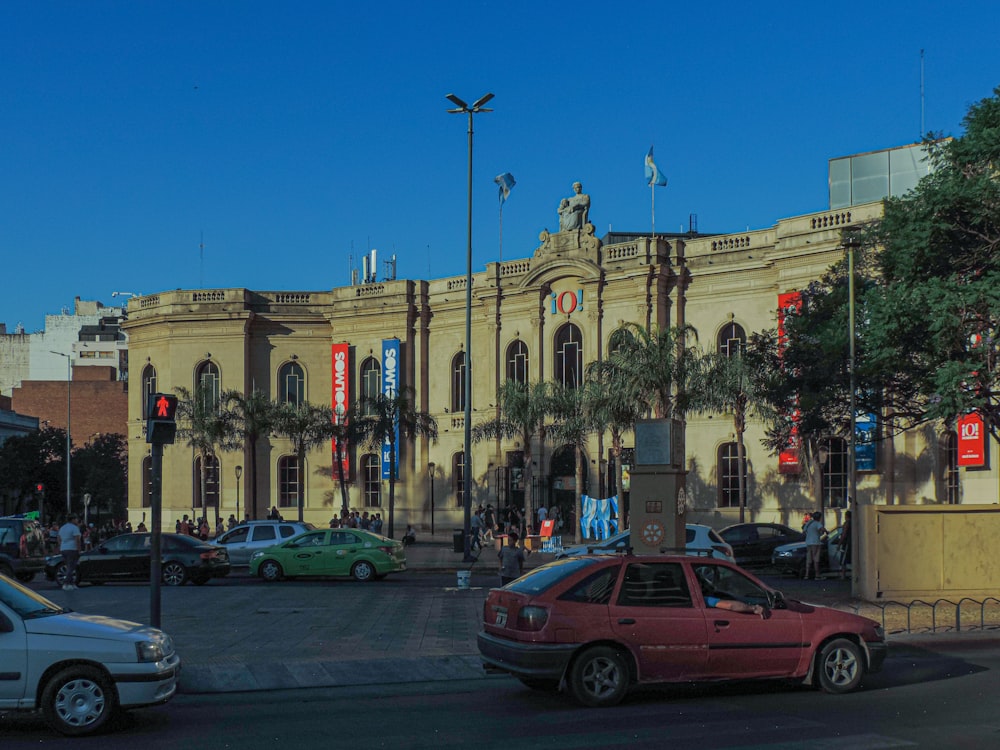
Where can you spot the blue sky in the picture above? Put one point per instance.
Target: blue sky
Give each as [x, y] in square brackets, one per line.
[287, 136]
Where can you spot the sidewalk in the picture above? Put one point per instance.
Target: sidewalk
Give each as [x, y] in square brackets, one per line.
[236, 638]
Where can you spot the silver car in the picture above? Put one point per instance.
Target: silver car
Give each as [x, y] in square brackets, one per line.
[243, 540]
[700, 540]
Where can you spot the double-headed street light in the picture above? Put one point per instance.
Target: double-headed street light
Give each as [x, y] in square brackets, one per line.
[462, 108]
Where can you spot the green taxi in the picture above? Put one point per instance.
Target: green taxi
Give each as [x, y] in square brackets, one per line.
[330, 553]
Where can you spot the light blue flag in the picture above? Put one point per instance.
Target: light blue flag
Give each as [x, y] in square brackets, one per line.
[653, 175]
[506, 182]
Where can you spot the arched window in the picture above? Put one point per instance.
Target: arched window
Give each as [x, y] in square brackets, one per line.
[834, 466]
[291, 384]
[458, 477]
[371, 474]
[569, 356]
[732, 340]
[147, 480]
[289, 478]
[458, 382]
[207, 378]
[951, 475]
[729, 476]
[211, 483]
[619, 338]
[517, 361]
[148, 387]
[371, 382]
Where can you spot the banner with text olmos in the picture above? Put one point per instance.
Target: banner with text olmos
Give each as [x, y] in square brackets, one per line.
[657, 504]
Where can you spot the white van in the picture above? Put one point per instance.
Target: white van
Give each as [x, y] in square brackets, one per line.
[79, 670]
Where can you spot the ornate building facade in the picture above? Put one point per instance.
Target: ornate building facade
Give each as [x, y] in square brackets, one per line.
[540, 318]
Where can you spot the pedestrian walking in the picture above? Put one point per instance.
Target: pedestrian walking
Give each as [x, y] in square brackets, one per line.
[511, 560]
[844, 543]
[70, 539]
[813, 529]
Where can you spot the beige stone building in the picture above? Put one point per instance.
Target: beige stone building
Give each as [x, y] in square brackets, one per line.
[540, 317]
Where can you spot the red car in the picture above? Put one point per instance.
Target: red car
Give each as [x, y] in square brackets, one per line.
[598, 625]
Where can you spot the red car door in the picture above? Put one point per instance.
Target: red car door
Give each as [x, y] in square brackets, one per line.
[654, 614]
[741, 644]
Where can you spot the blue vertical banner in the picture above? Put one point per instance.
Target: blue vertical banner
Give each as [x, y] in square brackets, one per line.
[865, 426]
[390, 386]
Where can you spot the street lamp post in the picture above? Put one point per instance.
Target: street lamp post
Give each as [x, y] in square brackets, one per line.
[239, 473]
[430, 473]
[462, 108]
[851, 244]
[69, 423]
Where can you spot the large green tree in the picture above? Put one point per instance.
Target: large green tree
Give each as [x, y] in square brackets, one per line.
[100, 469]
[938, 307]
[29, 460]
[384, 414]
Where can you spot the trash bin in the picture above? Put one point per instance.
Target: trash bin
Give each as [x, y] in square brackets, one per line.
[459, 540]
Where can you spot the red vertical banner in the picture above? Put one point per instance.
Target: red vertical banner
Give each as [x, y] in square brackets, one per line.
[340, 368]
[971, 441]
[789, 303]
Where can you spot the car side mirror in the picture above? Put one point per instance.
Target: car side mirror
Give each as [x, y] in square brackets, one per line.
[102, 549]
[6, 626]
[776, 600]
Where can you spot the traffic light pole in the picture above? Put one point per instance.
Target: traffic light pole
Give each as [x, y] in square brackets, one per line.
[155, 562]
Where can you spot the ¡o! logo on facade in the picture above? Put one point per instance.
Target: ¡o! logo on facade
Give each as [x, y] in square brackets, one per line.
[567, 302]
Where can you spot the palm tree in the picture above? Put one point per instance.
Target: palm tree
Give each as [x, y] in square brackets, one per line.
[346, 432]
[523, 408]
[382, 416]
[205, 427]
[736, 384]
[252, 418]
[615, 405]
[570, 407]
[307, 426]
[658, 363]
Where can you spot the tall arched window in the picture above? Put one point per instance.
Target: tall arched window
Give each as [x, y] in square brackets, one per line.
[371, 382]
[517, 361]
[371, 475]
[148, 387]
[834, 493]
[619, 338]
[208, 379]
[458, 477]
[729, 476]
[147, 481]
[569, 356]
[291, 384]
[458, 382]
[211, 483]
[732, 340]
[289, 477]
[951, 475]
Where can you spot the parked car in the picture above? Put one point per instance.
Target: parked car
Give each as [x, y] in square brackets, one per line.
[699, 539]
[246, 538]
[126, 558]
[330, 552]
[79, 670]
[791, 558]
[22, 547]
[597, 625]
[753, 543]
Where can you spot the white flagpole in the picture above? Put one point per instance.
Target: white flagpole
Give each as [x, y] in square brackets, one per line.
[652, 204]
[501, 232]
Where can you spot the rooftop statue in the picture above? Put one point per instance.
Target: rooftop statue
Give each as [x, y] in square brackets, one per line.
[573, 210]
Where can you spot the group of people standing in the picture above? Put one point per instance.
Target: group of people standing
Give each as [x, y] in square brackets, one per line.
[353, 520]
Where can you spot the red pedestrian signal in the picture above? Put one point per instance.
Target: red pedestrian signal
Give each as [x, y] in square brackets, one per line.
[39, 487]
[161, 410]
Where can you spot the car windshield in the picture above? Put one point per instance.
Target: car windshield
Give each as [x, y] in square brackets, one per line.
[542, 579]
[26, 602]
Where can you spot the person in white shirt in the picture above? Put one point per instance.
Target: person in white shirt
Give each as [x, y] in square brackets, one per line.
[69, 548]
